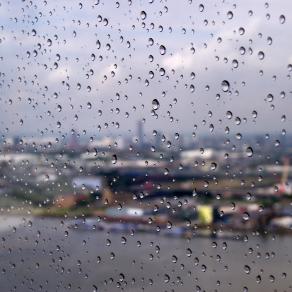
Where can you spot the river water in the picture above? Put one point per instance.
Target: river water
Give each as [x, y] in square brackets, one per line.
[41, 254]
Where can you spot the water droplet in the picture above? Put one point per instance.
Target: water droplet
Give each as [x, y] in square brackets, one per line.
[249, 151]
[258, 279]
[235, 63]
[143, 15]
[272, 278]
[162, 50]
[229, 14]
[201, 7]
[213, 166]
[241, 31]
[155, 104]
[282, 19]
[246, 269]
[204, 268]
[261, 55]
[114, 159]
[229, 115]
[225, 85]
[174, 259]
[270, 97]
[166, 278]
[169, 225]
[189, 252]
[237, 121]
[245, 216]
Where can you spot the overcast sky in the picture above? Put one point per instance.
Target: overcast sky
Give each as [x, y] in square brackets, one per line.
[81, 64]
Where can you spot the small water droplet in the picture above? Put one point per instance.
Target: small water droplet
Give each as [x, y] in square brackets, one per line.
[282, 19]
[162, 50]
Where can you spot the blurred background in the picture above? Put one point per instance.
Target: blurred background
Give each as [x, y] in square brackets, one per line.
[145, 145]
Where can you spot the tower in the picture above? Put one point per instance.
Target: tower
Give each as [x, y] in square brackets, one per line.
[140, 133]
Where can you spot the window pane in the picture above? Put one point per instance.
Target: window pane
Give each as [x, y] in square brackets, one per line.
[145, 145]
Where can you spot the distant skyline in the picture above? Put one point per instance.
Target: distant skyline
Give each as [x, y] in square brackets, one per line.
[102, 67]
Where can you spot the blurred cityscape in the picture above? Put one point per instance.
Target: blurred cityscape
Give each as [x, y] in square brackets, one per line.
[151, 183]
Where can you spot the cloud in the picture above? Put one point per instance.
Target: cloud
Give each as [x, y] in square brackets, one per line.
[108, 73]
[60, 74]
[203, 55]
[178, 60]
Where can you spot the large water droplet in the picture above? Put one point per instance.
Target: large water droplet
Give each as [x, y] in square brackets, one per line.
[241, 31]
[247, 269]
[234, 63]
[229, 115]
[114, 159]
[261, 55]
[225, 85]
[155, 104]
[249, 151]
[166, 278]
[143, 15]
[270, 97]
[230, 14]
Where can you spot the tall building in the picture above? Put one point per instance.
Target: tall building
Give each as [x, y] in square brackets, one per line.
[73, 143]
[157, 140]
[140, 133]
[16, 141]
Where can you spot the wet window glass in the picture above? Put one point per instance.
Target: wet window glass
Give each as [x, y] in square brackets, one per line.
[145, 145]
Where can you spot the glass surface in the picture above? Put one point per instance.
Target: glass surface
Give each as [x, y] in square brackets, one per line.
[145, 145]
